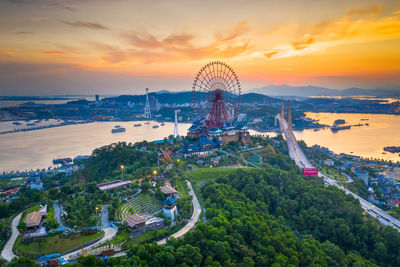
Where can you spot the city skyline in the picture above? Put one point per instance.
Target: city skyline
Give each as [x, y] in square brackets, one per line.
[120, 47]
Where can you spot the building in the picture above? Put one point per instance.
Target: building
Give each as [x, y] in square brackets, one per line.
[34, 219]
[329, 162]
[169, 208]
[225, 134]
[116, 184]
[135, 222]
[169, 191]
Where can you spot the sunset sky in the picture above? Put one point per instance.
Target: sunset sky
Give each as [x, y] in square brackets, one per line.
[113, 47]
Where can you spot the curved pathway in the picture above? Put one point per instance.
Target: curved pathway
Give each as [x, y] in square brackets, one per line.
[7, 252]
[109, 233]
[193, 219]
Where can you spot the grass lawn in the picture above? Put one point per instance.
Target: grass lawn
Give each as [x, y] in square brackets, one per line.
[181, 188]
[203, 174]
[5, 182]
[52, 244]
[143, 203]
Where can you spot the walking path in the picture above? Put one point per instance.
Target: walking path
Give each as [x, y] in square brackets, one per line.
[193, 219]
[7, 252]
[109, 233]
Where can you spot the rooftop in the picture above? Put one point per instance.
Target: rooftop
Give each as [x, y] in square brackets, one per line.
[34, 218]
[167, 189]
[134, 219]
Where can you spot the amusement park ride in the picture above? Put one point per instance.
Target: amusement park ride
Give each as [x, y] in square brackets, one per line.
[216, 94]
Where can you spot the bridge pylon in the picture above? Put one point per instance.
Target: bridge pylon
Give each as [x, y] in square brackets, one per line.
[289, 115]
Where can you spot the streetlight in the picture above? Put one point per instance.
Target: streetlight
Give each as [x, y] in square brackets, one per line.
[97, 210]
[122, 168]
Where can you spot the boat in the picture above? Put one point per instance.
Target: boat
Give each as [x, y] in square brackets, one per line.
[316, 129]
[162, 124]
[117, 126]
[118, 130]
[392, 149]
[147, 123]
[336, 128]
[17, 123]
[137, 125]
[155, 126]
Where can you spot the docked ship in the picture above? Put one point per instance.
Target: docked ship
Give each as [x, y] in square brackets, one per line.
[137, 125]
[336, 128]
[118, 130]
[392, 149]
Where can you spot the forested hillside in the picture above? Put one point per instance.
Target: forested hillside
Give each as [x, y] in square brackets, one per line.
[271, 217]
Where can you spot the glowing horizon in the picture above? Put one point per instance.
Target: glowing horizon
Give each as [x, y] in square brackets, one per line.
[122, 46]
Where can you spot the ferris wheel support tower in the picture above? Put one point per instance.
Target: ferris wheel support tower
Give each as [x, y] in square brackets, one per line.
[147, 111]
[176, 123]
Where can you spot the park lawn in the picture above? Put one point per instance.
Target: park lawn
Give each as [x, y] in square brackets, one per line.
[52, 244]
[181, 188]
[199, 175]
[5, 182]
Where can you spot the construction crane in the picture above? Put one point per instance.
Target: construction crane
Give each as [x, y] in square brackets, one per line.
[84, 253]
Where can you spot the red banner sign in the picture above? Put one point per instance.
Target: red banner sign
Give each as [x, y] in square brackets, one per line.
[310, 171]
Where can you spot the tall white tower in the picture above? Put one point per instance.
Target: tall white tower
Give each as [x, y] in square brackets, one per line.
[176, 123]
[147, 112]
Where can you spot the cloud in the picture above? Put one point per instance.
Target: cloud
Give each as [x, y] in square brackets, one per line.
[303, 43]
[85, 24]
[23, 32]
[54, 52]
[356, 26]
[147, 40]
[271, 54]
[366, 11]
[63, 6]
[230, 34]
[163, 51]
[147, 48]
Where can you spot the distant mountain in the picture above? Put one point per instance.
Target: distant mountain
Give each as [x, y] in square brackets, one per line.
[184, 97]
[304, 91]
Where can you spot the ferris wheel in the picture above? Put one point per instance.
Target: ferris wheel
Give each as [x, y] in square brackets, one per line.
[216, 94]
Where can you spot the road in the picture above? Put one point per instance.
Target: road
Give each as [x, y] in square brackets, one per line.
[57, 214]
[193, 219]
[296, 153]
[109, 233]
[104, 216]
[7, 252]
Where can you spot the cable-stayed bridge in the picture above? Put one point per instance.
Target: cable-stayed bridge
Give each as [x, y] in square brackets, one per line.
[297, 154]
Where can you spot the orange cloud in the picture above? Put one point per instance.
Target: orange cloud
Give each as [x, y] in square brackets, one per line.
[303, 44]
[238, 30]
[54, 52]
[366, 11]
[84, 24]
[271, 54]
